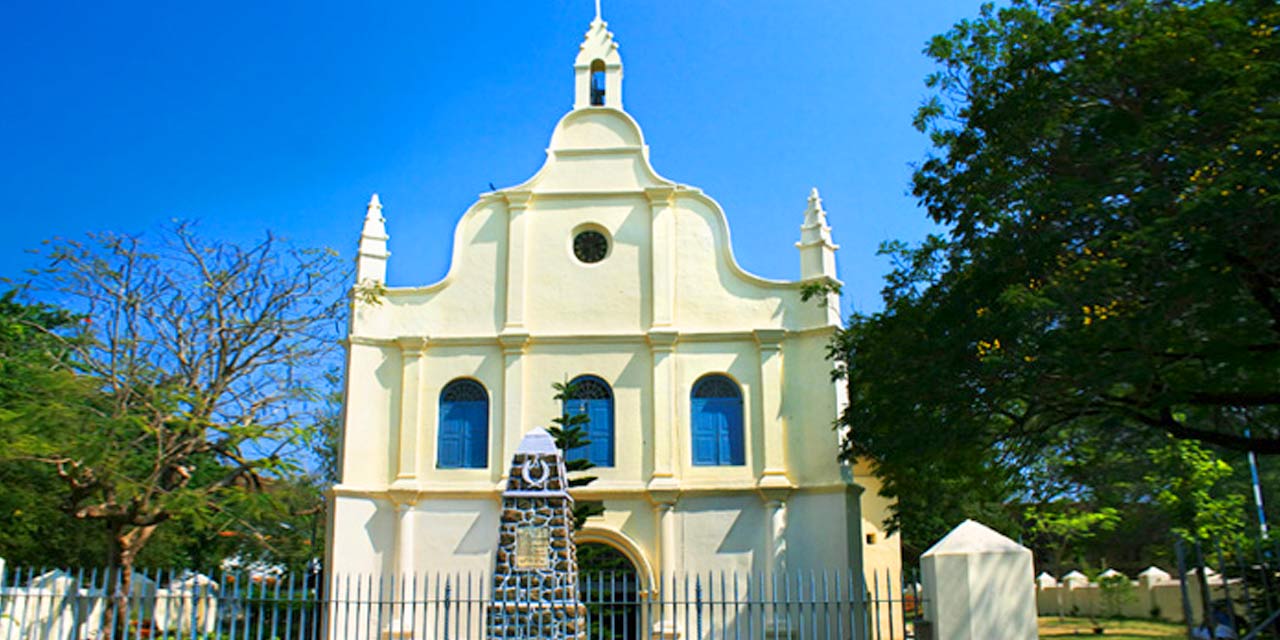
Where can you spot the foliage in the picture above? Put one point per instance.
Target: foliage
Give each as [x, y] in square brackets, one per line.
[1068, 525]
[37, 532]
[570, 432]
[1115, 591]
[369, 292]
[185, 385]
[1189, 481]
[1106, 173]
[822, 288]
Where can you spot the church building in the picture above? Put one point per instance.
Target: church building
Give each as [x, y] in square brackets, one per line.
[707, 388]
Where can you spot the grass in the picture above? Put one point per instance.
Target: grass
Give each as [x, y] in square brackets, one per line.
[1051, 627]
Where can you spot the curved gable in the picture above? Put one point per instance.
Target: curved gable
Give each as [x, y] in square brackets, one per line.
[596, 128]
[670, 261]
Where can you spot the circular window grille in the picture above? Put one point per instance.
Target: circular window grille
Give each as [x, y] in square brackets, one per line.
[590, 246]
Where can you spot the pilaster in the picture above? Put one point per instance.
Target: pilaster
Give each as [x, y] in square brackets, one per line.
[514, 345]
[664, 512]
[775, 509]
[405, 501]
[663, 255]
[774, 424]
[518, 204]
[411, 423]
[405, 504]
[666, 449]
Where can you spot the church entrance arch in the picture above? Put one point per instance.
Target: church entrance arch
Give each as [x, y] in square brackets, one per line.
[611, 586]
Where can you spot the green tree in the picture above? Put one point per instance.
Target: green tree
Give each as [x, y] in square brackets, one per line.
[1064, 526]
[1189, 484]
[32, 364]
[1115, 591]
[1189, 487]
[1106, 174]
[194, 368]
[570, 432]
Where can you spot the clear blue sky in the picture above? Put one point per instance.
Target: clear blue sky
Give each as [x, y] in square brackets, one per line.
[286, 115]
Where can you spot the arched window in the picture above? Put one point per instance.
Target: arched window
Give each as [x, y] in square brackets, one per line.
[593, 397]
[597, 83]
[716, 417]
[463, 436]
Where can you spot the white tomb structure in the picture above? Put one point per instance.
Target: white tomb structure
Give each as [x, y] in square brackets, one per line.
[978, 585]
[707, 387]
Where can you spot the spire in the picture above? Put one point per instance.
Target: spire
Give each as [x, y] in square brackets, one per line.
[815, 217]
[371, 258]
[597, 71]
[817, 251]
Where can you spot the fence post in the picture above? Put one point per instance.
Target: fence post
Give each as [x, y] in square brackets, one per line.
[1226, 588]
[1181, 554]
[979, 585]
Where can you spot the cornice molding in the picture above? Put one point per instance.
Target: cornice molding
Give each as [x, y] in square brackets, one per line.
[597, 151]
[662, 340]
[658, 338]
[513, 342]
[770, 338]
[370, 341]
[628, 490]
[412, 345]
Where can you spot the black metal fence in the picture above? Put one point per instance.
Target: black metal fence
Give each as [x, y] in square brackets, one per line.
[1229, 587]
[270, 605]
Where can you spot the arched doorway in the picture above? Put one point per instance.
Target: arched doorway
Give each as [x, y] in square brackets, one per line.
[610, 586]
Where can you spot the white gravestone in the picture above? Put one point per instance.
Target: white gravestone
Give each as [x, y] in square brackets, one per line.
[188, 606]
[53, 596]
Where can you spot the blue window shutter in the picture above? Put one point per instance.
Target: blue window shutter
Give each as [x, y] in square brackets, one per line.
[600, 431]
[463, 426]
[715, 410]
[577, 408]
[738, 437]
[452, 424]
[594, 399]
[722, 410]
[731, 449]
[704, 433]
[476, 439]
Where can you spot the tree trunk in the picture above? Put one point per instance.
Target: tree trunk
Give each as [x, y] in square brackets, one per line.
[1058, 592]
[126, 542]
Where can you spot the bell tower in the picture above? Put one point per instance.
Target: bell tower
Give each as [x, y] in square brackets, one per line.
[597, 72]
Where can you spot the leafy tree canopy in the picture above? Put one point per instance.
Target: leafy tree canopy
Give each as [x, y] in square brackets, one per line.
[1107, 174]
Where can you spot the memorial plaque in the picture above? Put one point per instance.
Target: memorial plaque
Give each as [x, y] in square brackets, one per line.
[533, 548]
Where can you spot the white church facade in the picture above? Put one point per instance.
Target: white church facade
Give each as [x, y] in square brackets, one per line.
[708, 393]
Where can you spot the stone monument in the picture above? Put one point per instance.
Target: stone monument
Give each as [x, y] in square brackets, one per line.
[535, 577]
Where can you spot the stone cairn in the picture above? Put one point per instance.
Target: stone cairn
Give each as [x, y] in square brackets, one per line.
[535, 578]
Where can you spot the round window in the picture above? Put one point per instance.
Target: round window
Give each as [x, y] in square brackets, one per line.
[590, 246]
